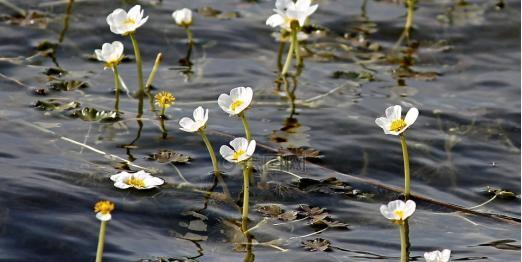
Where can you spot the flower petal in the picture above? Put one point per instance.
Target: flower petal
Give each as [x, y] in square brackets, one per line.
[239, 143]
[275, 20]
[393, 112]
[226, 152]
[187, 125]
[224, 101]
[409, 208]
[199, 114]
[446, 254]
[411, 116]
[103, 217]
[251, 148]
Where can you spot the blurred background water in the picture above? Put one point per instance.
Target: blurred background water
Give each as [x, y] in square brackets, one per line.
[464, 78]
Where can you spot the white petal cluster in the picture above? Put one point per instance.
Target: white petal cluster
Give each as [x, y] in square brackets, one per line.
[288, 11]
[110, 53]
[398, 210]
[192, 125]
[138, 180]
[239, 150]
[438, 256]
[123, 23]
[238, 100]
[183, 17]
[393, 124]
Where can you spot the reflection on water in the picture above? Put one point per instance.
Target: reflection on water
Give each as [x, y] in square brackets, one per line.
[358, 57]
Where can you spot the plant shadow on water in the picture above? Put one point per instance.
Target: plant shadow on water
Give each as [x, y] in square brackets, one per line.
[321, 167]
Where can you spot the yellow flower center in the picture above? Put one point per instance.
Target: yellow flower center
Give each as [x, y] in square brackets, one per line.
[236, 104]
[135, 182]
[129, 21]
[164, 99]
[104, 207]
[399, 213]
[237, 154]
[397, 125]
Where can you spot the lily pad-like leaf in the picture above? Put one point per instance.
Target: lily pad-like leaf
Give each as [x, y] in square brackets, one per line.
[56, 105]
[92, 114]
[329, 185]
[67, 85]
[288, 215]
[270, 210]
[306, 211]
[169, 156]
[355, 76]
[317, 244]
[307, 153]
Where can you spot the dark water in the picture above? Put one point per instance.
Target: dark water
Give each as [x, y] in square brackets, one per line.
[466, 138]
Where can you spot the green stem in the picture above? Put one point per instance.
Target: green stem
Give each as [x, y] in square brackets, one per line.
[246, 126]
[404, 243]
[162, 114]
[116, 89]
[101, 241]
[139, 66]
[406, 159]
[296, 47]
[288, 61]
[409, 18]
[155, 68]
[189, 35]
[247, 171]
[210, 152]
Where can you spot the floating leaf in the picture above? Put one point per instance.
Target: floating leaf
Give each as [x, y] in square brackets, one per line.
[67, 85]
[328, 186]
[92, 114]
[317, 244]
[169, 156]
[270, 210]
[288, 215]
[208, 11]
[56, 105]
[351, 75]
[306, 153]
[306, 211]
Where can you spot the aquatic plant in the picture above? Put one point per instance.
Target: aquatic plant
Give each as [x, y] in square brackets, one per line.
[399, 211]
[290, 16]
[240, 151]
[393, 124]
[103, 211]
[236, 103]
[125, 24]
[139, 180]
[438, 256]
[198, 124]
[183, 18]
[164, 100]
[112, 54]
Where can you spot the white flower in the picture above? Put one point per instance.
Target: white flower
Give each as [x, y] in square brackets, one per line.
[238, 100]
[183, 17]
[398, 210]
[438, 256]
[103, 210]
[123, 23]
[138, 180]
[288, 11]
[393, 124]
[241, 150]
[111, 54]
[199, 122]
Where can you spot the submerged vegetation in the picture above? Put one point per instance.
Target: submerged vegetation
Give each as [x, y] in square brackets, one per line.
[279, 183]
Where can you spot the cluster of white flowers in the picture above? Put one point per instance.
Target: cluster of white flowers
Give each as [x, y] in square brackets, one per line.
[287, 13]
